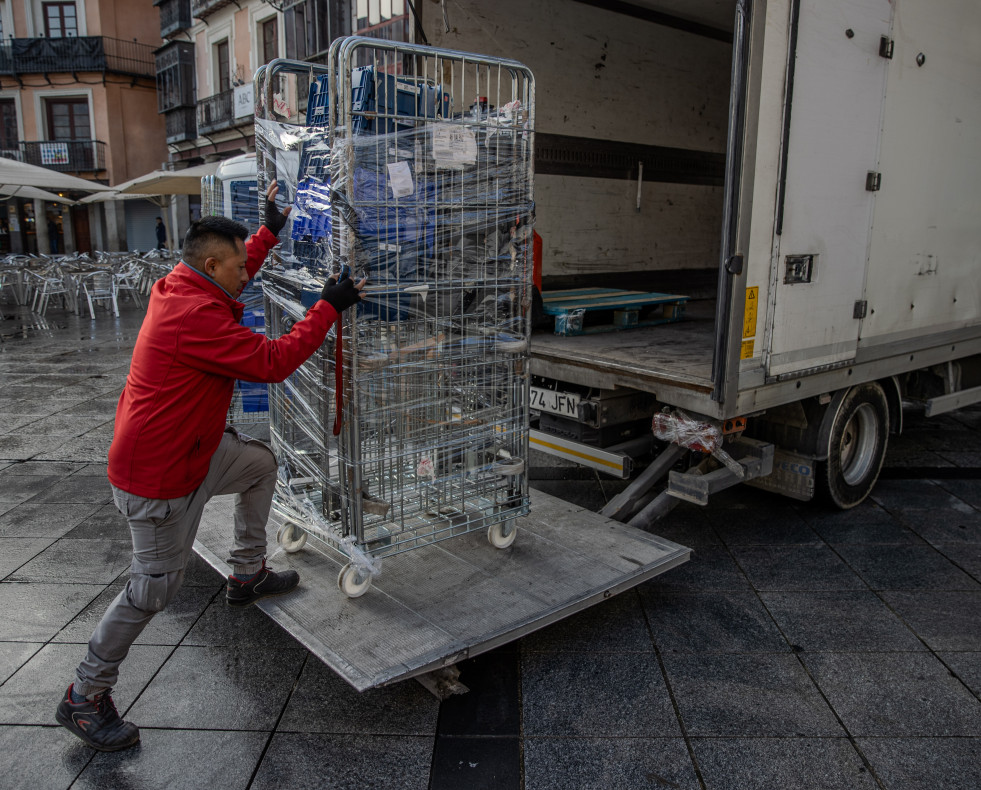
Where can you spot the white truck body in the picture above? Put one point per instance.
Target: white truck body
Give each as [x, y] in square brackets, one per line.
[842, 245]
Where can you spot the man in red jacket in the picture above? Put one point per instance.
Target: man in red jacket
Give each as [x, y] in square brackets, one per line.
[171, 450]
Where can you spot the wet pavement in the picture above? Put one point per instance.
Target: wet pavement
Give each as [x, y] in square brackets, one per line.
[799, 648]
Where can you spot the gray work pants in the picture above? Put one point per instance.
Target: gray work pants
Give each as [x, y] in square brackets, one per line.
[163, 532]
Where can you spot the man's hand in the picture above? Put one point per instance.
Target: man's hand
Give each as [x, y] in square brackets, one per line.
[341, 294]
[274, 218]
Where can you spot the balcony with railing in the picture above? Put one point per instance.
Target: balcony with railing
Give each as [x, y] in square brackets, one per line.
[175, 76]
[74, 54]
[182, 125]
[204, 8]
[175, 16]
[218, 112]
[65, 156]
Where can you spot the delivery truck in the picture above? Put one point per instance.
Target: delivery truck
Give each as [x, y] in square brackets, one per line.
[799, 178]
[759, 240]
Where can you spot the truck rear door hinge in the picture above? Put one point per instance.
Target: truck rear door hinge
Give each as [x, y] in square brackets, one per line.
[886, 47]
[861, 309]
[873, 181]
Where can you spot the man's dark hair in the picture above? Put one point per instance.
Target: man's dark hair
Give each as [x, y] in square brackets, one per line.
[207, 233]
[159, 219]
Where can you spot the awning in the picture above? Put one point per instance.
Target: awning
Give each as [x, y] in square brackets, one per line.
[32, 193]
[20, 174]
[108, 197]
[169, 182]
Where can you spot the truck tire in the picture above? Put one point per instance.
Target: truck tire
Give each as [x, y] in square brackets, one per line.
[856, 447]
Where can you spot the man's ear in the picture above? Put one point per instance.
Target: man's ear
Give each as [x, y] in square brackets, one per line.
[210, 264]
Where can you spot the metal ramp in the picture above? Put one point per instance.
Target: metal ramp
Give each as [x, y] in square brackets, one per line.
[440, 604]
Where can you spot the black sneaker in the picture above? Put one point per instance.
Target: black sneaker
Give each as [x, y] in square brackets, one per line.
[265, 583]
[96, 721]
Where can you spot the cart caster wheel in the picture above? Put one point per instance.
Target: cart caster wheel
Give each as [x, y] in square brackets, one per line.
[351, 581]
[502, 534]
[291, 538]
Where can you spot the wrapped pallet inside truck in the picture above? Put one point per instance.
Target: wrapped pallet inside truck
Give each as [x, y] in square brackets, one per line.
[410, 424]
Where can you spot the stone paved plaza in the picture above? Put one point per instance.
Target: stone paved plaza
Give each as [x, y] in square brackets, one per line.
[799, 648]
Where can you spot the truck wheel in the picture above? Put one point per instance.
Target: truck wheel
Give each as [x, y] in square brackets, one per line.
[856, 447]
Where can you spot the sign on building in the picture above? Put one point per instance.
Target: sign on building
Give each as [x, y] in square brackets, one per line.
[54, 153]
[244, 101]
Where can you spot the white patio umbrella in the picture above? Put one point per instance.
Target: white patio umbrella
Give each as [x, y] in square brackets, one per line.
[161, 201]
[20, 174]
[32, 193]
[169, 182]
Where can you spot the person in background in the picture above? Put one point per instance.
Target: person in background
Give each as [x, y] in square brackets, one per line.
[53, 235]
[172, 450]
[161, 234]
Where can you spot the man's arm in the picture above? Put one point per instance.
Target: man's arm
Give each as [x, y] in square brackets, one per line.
[267, 237]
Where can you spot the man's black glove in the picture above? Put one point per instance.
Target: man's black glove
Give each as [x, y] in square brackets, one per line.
[274, 219]
[340, 294]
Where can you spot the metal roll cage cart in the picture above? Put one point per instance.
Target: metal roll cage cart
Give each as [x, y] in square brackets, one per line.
[410, 424]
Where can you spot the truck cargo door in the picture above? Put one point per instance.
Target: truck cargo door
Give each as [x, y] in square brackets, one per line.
[836, 85]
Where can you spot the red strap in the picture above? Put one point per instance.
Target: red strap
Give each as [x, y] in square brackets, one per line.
[338, 375]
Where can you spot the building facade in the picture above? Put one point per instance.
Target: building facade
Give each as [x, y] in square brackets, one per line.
[78, 95]
[211, 50]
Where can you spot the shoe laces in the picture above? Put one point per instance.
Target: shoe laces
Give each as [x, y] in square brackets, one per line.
[104, 705]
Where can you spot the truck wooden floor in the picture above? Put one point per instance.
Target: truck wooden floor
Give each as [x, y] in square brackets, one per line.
[678, 355]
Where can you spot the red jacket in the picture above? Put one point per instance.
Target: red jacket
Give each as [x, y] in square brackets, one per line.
[190, 350]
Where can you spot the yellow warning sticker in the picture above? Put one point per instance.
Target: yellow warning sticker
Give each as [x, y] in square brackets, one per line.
[746, 349]
[749, 315]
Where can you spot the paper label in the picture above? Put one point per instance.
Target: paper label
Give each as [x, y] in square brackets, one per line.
[746, 349]
[400, 179]
[453, 145]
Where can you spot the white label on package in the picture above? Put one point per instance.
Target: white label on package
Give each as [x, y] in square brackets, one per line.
[453, 145]
[400, 179]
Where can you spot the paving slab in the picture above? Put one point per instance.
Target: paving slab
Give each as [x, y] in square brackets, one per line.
[308, 761]
[796, 568]
[769, 763]
[734, 622]
[895, 694]
[20, 488]
[32, 694]
[948, 526]
[73, 490]
[765, 526]
[967, 666]
[97, 561]
[215, 688]
[586, 694]
[710, 568]
[30, 520]
[20, 447]
[617, 625]
[944, 620]
[36, 612]
[905, 568]
[222, 625]
[492, 706]
[762, 695]
[324, 702]
[104, 522]
[168, 627]
[15, 553]
[13, 655]
[56, 758]
[925, 764]
[177, 760]
[835, 621]
[906, 495]
[604, 764]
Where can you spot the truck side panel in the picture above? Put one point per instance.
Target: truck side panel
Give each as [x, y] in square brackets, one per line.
[835, 115]
[925, 255]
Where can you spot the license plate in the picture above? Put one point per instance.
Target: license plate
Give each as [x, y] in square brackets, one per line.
[565, 404]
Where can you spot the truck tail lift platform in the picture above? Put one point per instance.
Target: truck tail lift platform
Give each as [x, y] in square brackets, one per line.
[456, 599]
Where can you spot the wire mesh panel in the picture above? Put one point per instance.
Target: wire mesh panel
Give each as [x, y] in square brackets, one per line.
[410, 424]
